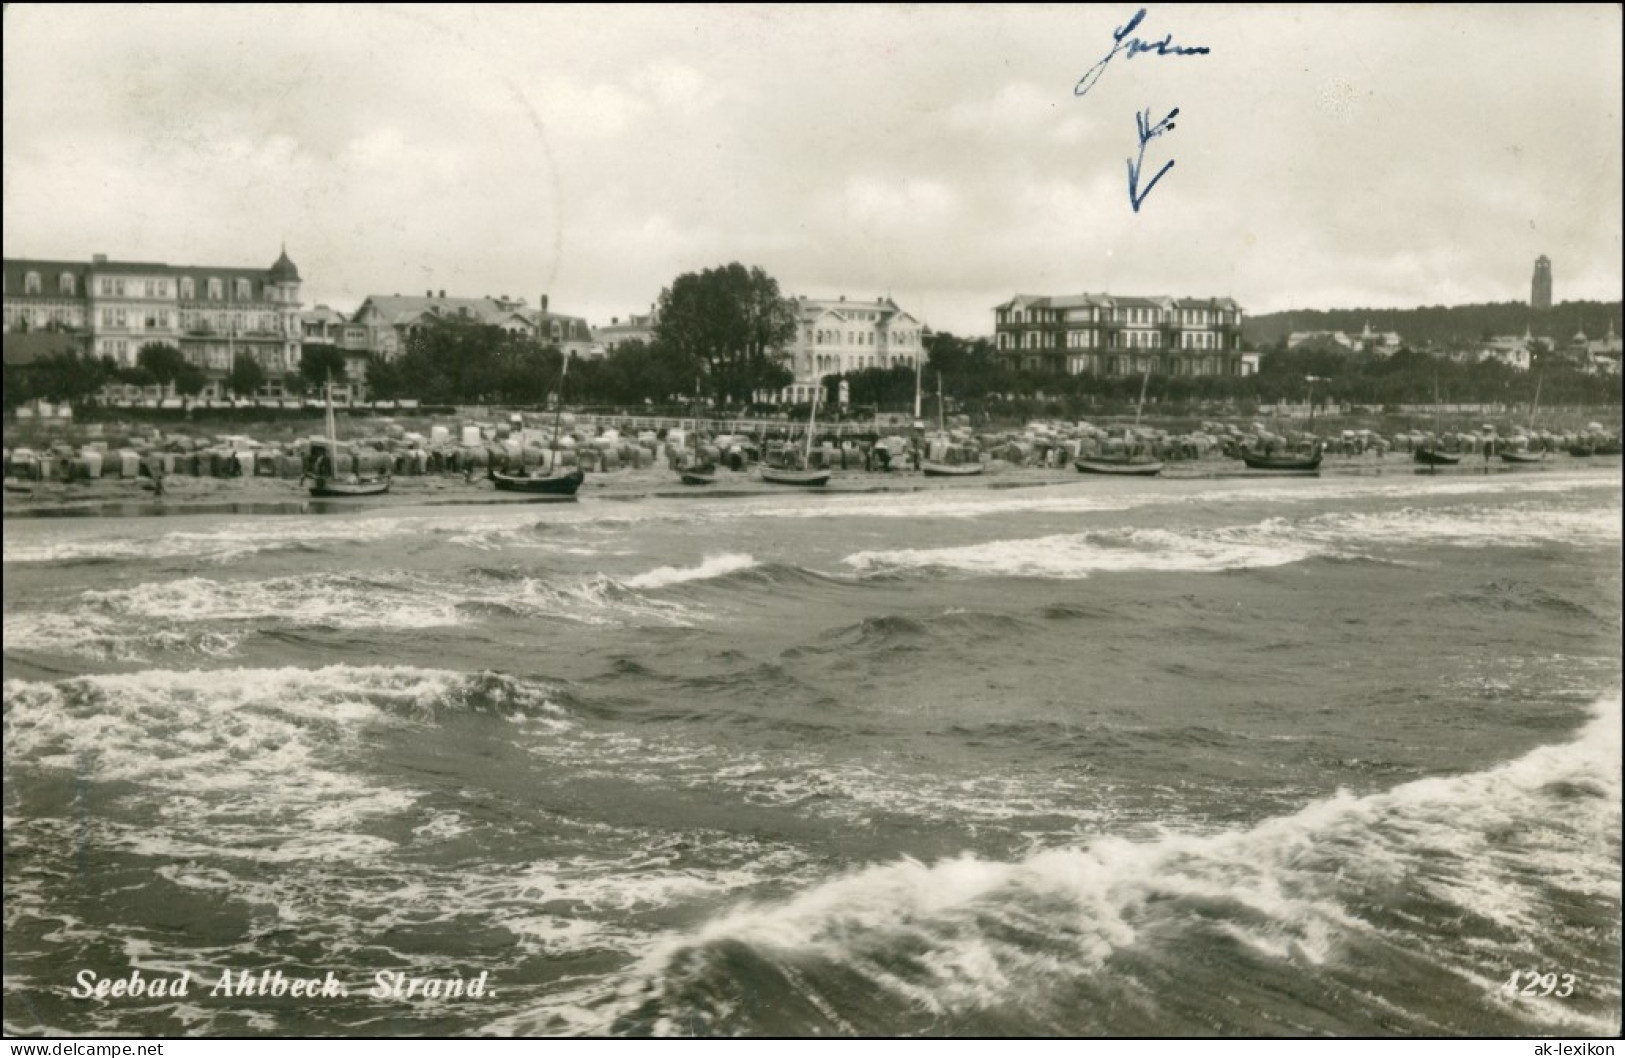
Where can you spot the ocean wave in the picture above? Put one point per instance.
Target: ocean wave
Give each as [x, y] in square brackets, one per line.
[1077, 555]
[1507, 854]
[234, 728]
[713, 566]
[103, 638]
[1471, 526]
[223, 543]
[133, 624]
[1342, 536]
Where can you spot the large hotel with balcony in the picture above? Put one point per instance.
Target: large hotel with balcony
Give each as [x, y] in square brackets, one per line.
[213, 315]
[1110, 336]
[835, 336]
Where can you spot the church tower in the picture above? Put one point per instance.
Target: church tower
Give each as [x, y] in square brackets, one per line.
[1540, 291]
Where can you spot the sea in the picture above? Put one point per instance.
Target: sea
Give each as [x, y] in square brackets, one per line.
[1112, 757]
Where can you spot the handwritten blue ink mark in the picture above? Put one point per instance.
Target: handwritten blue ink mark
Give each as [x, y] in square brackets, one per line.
[1121, 41]
[1148, 132]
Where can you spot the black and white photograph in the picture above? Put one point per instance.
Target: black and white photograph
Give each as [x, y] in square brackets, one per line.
[813, 521]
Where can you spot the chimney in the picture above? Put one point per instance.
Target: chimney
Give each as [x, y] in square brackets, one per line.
[100, 258]
[843, 297]
[428, 293]
[614, 321]
[442, 295]
[543, 302]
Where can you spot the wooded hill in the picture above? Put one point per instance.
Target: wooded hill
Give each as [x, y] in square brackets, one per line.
[1444, 324]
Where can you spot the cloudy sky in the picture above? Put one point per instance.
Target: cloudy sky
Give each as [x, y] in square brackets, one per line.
[1335, 158]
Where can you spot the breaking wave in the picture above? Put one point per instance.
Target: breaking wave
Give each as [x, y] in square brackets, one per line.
[1523, 856]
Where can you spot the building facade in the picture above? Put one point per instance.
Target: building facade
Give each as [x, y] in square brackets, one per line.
[213, 315]
[1540, 288]
[837, 336]
[387, 322]
[1111, 336]
[634, 328]
[326, 326]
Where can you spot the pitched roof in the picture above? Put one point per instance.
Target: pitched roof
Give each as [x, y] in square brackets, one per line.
[16, 268]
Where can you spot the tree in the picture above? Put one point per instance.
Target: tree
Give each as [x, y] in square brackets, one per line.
[162, 361]
[320, 364]
[729, 324]
[246, 377]
[190, 380]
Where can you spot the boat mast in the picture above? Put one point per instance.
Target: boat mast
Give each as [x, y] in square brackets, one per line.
[812, 417]
[942, 419]
[558, 414]
[917, 367]
[1532, 407]
[332, 423]
[1144, 382]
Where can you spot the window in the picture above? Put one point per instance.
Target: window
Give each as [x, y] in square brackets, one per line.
[31, 283]
[65, 284]
[188, 291]
[217, 288]
[244, 290]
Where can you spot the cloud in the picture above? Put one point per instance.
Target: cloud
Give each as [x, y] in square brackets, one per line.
[935, 152]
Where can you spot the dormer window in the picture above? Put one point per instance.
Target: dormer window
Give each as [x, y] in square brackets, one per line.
[217, 288]
[65, 284]
[31, 283]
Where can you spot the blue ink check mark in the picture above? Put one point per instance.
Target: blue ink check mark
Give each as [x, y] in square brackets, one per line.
[1148, 132]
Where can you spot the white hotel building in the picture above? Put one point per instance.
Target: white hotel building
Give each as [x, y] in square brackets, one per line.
[837, 336]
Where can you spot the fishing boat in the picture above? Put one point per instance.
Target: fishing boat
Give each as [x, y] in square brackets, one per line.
[323, 460]
[805, 478]
[1286, 462]
[1429, 456]
[561, 484]
[1523, 457]
[950, 470]
[810, 479]
[1123, 467]
[932, 469]
[1432, 457]
[555, 482]
[699, 475]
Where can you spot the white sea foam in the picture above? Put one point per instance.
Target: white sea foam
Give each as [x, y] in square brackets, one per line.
[1074, 555]
[1295, 881]
[90, 635]
[1472, 527]
[339, 600]
[132, 624]
[713, 566]
[230, 730]
[221, 543]
[1273, 542]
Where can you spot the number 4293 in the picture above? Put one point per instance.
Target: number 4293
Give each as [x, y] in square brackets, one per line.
[1535, 983]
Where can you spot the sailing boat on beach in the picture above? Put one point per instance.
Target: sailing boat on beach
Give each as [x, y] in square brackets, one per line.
[1431, 455]
[1509, 456]
[805, 477]
[947, 470]
[322, 463]
[1124, 465]
[552, 483]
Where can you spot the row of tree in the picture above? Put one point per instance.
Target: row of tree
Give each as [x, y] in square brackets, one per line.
[721, 336]
[73, 377]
